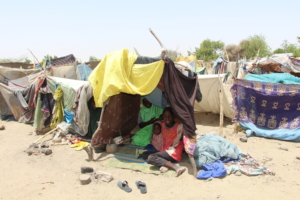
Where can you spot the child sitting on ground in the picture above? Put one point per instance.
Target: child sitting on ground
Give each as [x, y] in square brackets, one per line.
[156, 142]
[157, 138]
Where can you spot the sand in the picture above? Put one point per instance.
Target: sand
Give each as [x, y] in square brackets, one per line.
[56, 176]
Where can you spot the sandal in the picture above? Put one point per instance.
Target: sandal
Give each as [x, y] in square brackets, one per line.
[142, 186]
[124, 186]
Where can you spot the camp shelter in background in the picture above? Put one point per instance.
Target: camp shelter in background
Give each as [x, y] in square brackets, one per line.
[268, 105]
[18, 65]
[93, 64]
[7, 74]
[210, 86]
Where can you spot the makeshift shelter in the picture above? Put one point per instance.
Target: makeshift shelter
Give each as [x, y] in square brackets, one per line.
[268, 105]
[278, 63]
[196, 65]
[210, 86]
[69, 89]
[119, 81]
[84, 71]
[220, 65]
[70, 71]
[7, 74]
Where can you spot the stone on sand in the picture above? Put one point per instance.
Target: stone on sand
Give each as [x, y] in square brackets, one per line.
[85, 179]
[103, 176]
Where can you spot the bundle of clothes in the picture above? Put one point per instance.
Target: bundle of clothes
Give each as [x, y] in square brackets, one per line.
[217, 158]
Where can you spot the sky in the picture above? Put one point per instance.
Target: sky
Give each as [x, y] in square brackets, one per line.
[96, 28]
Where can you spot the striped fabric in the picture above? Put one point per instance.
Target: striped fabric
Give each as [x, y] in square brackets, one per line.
[19, 84]
[63, 60]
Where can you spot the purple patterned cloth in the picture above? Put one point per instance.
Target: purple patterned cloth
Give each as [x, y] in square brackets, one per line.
[267, 105]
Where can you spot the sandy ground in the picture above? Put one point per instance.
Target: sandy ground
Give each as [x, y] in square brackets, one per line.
[56, 176]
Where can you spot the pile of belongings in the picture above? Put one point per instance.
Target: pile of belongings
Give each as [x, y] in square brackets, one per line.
[217, 158]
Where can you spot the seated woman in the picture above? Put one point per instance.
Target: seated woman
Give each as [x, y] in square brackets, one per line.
[172, 144]
[149, 113]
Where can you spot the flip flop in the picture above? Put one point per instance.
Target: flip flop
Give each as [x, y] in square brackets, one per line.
[124, 186]
[142, 186]
[81, 145]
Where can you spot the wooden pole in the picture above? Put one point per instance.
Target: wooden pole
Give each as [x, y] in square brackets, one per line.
[221, 107]
[158, 40]
[164, 52]
[235, 127]
[33, 56]
[45, 135]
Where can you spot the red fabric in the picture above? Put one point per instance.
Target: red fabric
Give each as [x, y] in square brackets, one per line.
[169, 135]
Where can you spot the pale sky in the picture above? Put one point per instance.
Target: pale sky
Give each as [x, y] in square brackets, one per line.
[96, 28]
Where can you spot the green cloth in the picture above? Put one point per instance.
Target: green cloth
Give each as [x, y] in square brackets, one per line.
[68, 94]
[94, 118]
[58, 110]
[144, 135]
[200, 70]
[38, 115]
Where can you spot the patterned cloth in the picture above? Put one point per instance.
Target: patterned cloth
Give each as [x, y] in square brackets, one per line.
[247, 165]
[63, 60]
[188, 145]
[267, 105]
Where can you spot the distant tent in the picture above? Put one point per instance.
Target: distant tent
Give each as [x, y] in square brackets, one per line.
[268, 105]
[84, 71]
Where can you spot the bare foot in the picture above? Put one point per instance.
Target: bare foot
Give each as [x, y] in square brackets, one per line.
[180, 171]
[163, 169]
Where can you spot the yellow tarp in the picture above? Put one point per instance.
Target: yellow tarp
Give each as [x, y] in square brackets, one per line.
[117, 73]
[189, 59]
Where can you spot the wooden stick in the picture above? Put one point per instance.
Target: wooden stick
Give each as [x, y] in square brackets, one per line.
[235, 127]
[34, 56]
[46, 135]
[158, 40]
[221, 107]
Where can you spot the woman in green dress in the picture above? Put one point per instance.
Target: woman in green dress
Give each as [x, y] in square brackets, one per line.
[149, 113]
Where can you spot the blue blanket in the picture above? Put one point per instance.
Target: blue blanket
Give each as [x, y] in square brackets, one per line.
[280, 134]
[210, 148]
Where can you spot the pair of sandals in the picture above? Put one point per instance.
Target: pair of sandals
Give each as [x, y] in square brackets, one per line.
[140, 185]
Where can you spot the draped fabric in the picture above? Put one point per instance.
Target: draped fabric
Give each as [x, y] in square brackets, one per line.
[58, 110]
[180, 93]
[117, 73]
[267, 105]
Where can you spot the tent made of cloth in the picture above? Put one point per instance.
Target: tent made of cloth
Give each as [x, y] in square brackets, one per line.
[119, 81]
[210, 88]
[11, 76]
[69, 88]
[65, 60]
[189, 59]
[21, 95]
[268, 104]
[7, 73]
[84, 71]
[70, 71]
